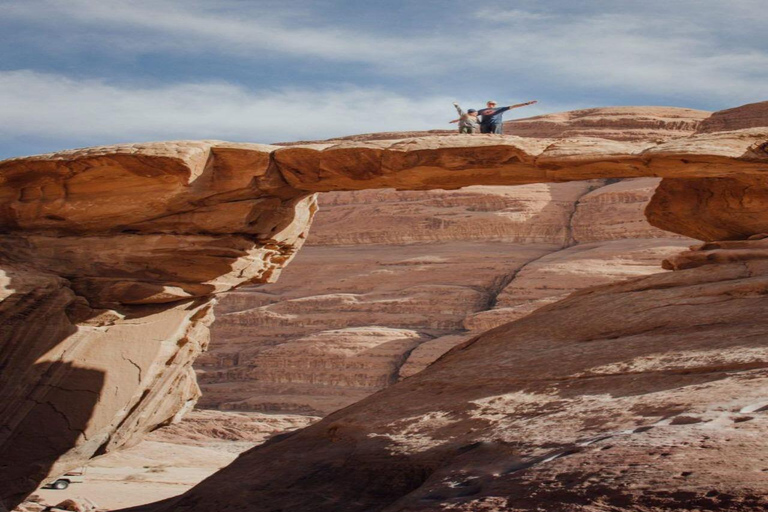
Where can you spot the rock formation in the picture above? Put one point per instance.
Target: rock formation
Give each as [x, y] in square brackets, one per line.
[394, 281]
[210, 428]
[434, 264]
[110, 259]
[739, 118]
[642, 395]
[614, 123]
[99, 244]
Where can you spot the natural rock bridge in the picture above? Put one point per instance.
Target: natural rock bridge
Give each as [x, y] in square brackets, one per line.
[111, 258]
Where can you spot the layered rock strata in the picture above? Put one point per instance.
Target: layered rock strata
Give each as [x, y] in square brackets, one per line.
[168, 225]
[110, 260]
[435, 264]
[643, 395]
[422, 262]
[614, 123]
[555, 276]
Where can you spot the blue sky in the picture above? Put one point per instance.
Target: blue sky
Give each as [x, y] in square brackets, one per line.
[88, 72]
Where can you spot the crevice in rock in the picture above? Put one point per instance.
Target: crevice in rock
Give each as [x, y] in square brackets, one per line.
[400, 362]
[500, 283]
[134, 364]
[570, 240]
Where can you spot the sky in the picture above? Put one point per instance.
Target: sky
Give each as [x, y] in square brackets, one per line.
[77, 73]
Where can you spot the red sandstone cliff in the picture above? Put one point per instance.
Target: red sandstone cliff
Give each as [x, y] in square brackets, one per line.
[420, 271]
[389, 281]
[106, 249]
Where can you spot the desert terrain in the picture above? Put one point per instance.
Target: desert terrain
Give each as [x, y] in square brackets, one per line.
[172, 459]
[552, 334]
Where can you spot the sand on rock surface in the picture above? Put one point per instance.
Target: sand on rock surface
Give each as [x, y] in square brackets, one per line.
[174, 458]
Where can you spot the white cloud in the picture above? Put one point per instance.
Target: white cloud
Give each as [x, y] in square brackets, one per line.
[653, 49]
[194, 25]
[507, 15]
[632, 54]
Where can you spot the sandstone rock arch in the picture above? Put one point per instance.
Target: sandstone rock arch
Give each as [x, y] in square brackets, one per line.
[115, 254]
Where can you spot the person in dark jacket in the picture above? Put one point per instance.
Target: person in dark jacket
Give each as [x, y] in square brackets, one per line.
[491, 116]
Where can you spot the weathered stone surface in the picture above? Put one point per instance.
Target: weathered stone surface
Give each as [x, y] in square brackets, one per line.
[205, 428]
[231, 214]
[430, 351]
[219, 206]
[720, 252]
[334, 292]
[711, 208]
[78, 382]
[96, 189]
[616, 211]
[76, 505]
[315, 374]
[555, 276]
[110, 258]
[415, 261]
[739, 118]
[457, 161]
[537, 213]
[616, 123]
[644, 395]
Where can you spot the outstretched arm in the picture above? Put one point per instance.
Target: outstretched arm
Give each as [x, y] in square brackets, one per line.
[454, 121]
[523, 104]
[458, 108]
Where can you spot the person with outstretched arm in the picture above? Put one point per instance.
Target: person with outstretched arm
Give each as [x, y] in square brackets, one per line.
[468, 122]
[491, 117]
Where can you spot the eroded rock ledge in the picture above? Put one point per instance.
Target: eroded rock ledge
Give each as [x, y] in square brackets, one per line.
[111, 256]
[646, 395]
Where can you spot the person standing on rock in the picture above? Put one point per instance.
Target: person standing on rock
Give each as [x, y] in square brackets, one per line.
[491, 120]
[468, 122]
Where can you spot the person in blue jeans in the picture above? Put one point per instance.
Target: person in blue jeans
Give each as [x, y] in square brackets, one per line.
[491, 116]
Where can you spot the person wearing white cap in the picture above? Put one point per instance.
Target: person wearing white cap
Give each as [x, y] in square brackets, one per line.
[491, 117]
